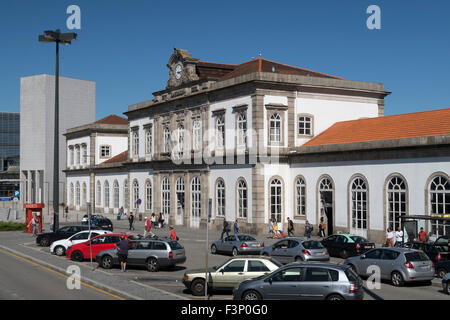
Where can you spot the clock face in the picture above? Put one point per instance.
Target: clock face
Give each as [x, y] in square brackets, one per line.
[178, 71]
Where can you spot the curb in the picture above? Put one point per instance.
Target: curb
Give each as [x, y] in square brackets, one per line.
[85, 279]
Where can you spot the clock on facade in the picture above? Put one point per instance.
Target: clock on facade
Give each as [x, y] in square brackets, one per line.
[178, 71]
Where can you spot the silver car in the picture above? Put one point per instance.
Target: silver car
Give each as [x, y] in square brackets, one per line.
[300, 281]
[237, 244]
[399, 265]
[296, 249]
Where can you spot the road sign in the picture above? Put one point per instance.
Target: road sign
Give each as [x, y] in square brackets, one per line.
[17, 194]
[138, 202]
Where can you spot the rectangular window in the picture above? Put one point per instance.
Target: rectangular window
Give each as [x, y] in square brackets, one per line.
[105, 151]
[136, 142]
[197, 136]
[305, 125]
[148, 141]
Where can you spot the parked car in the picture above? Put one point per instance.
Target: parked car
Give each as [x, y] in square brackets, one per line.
[82, 251]
[429, 249]
[346, 245]
[300, 281]
[98, 222]
[229, 274]
[296, 249]
[442, 268]
[443, 245]
[153, 254]
[59, 247]
[399, 265]
[446, 283]
[46, 239]
[235, 245]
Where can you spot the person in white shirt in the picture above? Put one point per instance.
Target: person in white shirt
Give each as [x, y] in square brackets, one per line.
[389, 238]
[399, 235]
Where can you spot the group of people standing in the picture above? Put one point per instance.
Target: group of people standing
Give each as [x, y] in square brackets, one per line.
[155, 222]
[275, 230]
[226, 228]
[393, 237]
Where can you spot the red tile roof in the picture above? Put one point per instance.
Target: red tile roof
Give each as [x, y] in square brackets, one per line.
[264, 65]
[112, 119]
[411, 125]
[121, 157]
[213, 70]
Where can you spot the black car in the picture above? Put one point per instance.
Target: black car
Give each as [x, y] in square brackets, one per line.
[443, 245]
[429, 249]
[442, 268]
[346, 245]
[46, 239]
[99, 222]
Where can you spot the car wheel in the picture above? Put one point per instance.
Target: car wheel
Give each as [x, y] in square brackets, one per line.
[251, 295]
[60, 251]
[447, 287]
[45, 242]
[441, 273]
[344, 254]
[298, 259]
[213, 249]
[198, 287]
[77, 256]
[335, 297]
[235, 252]
[152, 265]
[107, 262]
[397, 279]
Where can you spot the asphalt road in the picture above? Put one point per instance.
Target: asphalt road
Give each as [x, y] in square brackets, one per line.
[22, 279]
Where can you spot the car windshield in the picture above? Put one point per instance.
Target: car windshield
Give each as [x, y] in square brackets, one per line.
[221, 265]
[416, 256]
[275, 262]
[351, 275]
[312, 245]
[175, 245]
[246, 238]
[358, 239]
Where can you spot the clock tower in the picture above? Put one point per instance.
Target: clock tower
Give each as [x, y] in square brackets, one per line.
[182, 68]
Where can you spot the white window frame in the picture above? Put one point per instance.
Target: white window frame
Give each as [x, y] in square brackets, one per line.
[220, 197]
[242, 196]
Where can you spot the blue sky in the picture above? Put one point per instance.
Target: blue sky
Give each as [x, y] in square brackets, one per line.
[124, 46]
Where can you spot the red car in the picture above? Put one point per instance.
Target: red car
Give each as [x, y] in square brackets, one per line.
[81, 251]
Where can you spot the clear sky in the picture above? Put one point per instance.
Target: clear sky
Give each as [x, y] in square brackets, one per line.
[124, 46]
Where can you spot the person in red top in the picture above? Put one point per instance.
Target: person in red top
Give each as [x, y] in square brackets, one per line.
[173, 234]
[148, 227]
[422, 235]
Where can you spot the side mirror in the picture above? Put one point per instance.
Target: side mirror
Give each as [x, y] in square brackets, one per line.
[270, 280]
[221, 270]
[363, 256]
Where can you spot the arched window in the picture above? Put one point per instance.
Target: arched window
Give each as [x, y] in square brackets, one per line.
[197, 136]
[84, 194]
[166, 139]
[148, 141]
[106, 194]
[242, 198]
[396, 201]
[300, 197]
[116, 194]
[136, 142]
[220, 197]
[165, 198]
[440, 204]
[220, 131]
[72, 196]
[99, 194]
[196, 197]
[126, 198]
[180, 188]
[242, 129]
[275, 128]
[359, 204]
[77, 193]
[276, 204]
[77, 154]
[84, 153]
[148, 195]
[135, 193]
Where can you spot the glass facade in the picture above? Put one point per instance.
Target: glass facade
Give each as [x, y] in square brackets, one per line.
[9, 139]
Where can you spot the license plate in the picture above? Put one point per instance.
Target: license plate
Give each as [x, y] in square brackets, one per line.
[320, 253]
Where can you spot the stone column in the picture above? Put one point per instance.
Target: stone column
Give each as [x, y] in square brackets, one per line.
[37, 190]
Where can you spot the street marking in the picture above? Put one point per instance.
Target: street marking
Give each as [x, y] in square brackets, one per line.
[60, 274]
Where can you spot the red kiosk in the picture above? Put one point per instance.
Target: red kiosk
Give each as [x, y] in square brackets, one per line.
[36, 210]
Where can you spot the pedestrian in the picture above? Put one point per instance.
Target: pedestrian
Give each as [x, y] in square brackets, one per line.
[308, 229]
[122, 254]
[290, 227]
[33, 223]
[225, 229]
[236, 227]
[322, 227]
[274, 228]
[148, 227]
[131, 220]
[153, 220]
[389, 238]
[399, 235]
[423, 235]
[270, 229]
[173, 234]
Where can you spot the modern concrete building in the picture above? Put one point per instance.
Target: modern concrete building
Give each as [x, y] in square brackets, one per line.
[9, 153]
[37, 106]
[266, 140]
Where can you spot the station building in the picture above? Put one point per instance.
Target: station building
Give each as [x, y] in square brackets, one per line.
[263, 140]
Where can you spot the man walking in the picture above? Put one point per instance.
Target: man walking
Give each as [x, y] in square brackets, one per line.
[290, 227]
[225, 229]
[270, 229]
[122, 254]
[236, 227]
[308, 229]
[131, 220]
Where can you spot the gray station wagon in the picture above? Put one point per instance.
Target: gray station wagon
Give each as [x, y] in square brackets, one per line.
[153, 254]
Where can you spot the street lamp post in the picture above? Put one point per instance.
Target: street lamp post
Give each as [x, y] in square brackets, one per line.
[64, 38]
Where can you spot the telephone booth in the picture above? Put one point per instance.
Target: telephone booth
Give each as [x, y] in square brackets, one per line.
[33, 209]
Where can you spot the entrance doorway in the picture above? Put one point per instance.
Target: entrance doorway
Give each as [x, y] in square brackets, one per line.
[326, 204]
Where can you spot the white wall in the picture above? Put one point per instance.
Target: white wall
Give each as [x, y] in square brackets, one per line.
[118, 145]
[78, 141]
[141, 123]
[110, 177]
